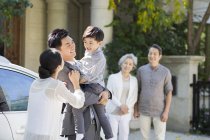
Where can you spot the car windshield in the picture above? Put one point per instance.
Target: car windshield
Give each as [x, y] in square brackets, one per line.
[15, 87]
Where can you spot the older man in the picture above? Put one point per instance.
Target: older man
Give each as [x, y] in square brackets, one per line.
[155, 93]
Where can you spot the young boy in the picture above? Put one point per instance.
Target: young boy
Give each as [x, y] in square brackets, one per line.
[92, 65]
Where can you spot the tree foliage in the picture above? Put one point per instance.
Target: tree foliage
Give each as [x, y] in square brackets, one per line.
[134, 34]
[152, 14]
[194, 35]
[8, 10]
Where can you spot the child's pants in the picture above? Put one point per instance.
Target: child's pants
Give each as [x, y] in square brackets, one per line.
[104, 122]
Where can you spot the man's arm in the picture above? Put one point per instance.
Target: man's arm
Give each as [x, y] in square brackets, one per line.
[136, 106]
[164, 116]
[168, 88]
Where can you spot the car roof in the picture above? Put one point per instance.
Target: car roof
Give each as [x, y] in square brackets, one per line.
[17, 68]
[4, 59]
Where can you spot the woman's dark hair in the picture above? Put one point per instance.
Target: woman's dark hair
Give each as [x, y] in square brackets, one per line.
[49, 60]
[93, 32]
[54, 38]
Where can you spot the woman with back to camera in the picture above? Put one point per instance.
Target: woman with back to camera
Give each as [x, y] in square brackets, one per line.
[46, 97]
[124, 88]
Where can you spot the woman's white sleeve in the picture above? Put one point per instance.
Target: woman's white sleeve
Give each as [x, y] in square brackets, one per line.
[110, 87]
[75, 99]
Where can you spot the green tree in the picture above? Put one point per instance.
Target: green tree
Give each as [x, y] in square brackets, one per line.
[195, 39]
[8, 10]
[133, 34]
[152, 14]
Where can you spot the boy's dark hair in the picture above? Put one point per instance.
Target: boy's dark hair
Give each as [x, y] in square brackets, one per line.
[157, 47]
[49, 60]
[93, 32]
[54, 38]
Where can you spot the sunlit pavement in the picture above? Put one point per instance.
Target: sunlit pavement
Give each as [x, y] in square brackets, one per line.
[135, 135]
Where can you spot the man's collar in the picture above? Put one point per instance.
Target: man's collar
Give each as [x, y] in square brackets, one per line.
[154, 68]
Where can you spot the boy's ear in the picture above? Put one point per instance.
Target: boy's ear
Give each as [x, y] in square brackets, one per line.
[100, 42]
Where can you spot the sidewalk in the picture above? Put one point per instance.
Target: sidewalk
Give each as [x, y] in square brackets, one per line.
[135, 135]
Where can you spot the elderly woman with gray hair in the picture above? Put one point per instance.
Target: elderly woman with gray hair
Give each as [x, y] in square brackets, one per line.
[124, 88]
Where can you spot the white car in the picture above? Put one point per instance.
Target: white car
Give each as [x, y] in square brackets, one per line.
[15, 82]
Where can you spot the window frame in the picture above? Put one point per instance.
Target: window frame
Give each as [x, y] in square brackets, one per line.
[19, 70]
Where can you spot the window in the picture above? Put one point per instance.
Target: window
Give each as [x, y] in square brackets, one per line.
[15, 87]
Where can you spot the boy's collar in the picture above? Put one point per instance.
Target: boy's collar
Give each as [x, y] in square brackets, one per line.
[97, 50]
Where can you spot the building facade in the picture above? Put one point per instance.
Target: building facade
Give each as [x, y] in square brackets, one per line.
[46, 15]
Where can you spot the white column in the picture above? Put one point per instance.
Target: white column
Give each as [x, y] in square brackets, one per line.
[57, 14]
[101, 16]
[35, 34]
[183, 67]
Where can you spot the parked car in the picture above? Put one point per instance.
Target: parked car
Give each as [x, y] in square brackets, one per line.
[15, 82]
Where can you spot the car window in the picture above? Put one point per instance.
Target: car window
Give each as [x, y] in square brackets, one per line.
[15, 87]
[3, 103]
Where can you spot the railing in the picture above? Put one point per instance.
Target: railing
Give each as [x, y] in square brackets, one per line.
[201, 106]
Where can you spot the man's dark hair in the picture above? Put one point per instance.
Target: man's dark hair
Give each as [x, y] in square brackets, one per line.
[93, 32]
[54, 38]
[157, 47]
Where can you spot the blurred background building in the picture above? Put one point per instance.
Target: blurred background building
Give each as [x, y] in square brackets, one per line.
[30, 31]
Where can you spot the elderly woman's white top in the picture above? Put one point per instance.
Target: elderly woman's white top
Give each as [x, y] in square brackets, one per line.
[44, 108]
[115, 86]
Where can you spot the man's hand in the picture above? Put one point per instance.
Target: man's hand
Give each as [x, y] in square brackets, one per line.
[104, 96]
[164, 116]
[136, 113]
[74, 78]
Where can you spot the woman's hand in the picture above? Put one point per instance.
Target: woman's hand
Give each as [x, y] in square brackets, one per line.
[74, 78]
[124, 108]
